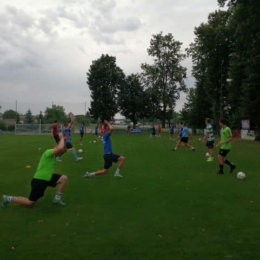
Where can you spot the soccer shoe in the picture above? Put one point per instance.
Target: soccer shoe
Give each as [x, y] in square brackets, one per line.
[58, 160]
[4, 201]
[87, 175]
[79, 158]
[193, 149]
[232, 168]
[118, 175]
[209, 159]
[220, 172]
[58, 202]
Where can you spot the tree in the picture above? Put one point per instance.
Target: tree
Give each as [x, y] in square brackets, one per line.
[28, 117]
[104, 79]
[11, 114]
[131, 98]
[55, 113]
[166, 76]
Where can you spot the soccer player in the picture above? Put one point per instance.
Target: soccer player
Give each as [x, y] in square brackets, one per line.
[96, 132]
[152, 131]
[43, 178]
[171, 131]
[184, 138]
[67, 135]
[209, 136]
[225, 146]
[81, 131]
[55, 135]
[109, 156]
[159, 130]
[102, 130]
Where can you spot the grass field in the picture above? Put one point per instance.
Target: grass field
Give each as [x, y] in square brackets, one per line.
[169, 205]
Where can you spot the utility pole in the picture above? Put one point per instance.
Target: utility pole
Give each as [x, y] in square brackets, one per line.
[221, 91]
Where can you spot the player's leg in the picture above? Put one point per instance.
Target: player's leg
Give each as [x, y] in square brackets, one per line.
[230, 164]
[19, 200]
[60, 181]
[121, 161]
[74, 153]
[107, 164]
[221, 159]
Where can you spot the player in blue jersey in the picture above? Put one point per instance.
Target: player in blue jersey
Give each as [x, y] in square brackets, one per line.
[152, 131]
[81, 131]
[96, 131]
[183, 138]
[171, 131]
[67, 135]
[109, 156]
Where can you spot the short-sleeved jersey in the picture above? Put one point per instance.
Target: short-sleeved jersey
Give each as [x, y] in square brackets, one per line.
[225, 134]
[67, 134]
[185, 132]
[171, 128]
[210, 132]
[46, 166]
[54, 128]
[81, 128]
[107, 143]
[180, 131]
[152, 130]
[159, 128]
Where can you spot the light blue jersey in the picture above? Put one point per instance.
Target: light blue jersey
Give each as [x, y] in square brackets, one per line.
[107, 143]
[67, 134]
[180, 132]
[185, 132]
[81, 128]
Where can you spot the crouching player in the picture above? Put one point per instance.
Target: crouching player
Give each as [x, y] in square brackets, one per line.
[43, 178]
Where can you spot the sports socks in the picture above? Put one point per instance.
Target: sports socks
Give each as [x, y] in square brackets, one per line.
[57, 196]
[75, 155]
[9, 198]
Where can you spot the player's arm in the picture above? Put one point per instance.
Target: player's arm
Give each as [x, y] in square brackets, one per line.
[205, 137]
[110, 128]
[226, 141]
[60, 147]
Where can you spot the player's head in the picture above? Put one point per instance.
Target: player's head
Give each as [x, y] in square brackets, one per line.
[83, 123]
[181, 123]
[184, 124]
[208, 120]
[66, 124]
[56, 121]
[223, 122]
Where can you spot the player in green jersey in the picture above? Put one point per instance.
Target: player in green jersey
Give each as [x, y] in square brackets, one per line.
[225, 146]
[43, 178]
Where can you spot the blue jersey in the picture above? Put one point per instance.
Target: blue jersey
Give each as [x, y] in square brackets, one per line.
[81, 128]
[67, 134]
[107, 143]
[180, 132]
[172, 128]
[185, 132]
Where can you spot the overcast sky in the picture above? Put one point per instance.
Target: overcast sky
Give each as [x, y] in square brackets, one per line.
[46, 47]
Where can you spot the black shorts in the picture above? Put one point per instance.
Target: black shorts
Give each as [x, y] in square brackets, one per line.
[184, 140]
[81, 134]
[210, 144]
[109, 159]
[223, 152]
[38, 186]
[57, 138]
[69, 145]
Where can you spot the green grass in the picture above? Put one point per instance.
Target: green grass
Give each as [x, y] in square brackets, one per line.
[169, 205]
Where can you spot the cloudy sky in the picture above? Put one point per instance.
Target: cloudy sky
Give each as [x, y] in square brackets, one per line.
[46, 47]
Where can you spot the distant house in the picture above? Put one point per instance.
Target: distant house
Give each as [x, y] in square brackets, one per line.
[9, 121]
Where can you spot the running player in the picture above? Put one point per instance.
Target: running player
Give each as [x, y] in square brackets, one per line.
[81, 131]
[184, 138]
[152, 131]
[209, 136]
[159, 130]
[225, 146]
[67, 135]
[109, 156]
[171, 131]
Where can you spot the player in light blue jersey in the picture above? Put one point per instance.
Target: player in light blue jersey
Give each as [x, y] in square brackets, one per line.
[81, 131]
[183, 138]
[109, 156]
[67, 136]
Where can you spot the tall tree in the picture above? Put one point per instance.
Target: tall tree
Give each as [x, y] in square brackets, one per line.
[10, 114]
[28, 117]
[104, 79]
[55, 113]
[131, 100]
[166, 76]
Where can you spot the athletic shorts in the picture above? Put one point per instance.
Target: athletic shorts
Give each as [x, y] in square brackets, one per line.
[184, 140]
[223, 152]
[69, 145]
[38, 186]
[81, 134]
[57, 138]
[172, 132]
[109, 159]
[210, 144]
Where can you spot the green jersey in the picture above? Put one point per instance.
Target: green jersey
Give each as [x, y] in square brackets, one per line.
[225, 134]
[46, 166]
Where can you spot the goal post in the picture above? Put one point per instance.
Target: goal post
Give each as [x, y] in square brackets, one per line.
[33, 128]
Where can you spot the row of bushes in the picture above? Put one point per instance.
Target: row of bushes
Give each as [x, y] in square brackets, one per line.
[5, 127]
